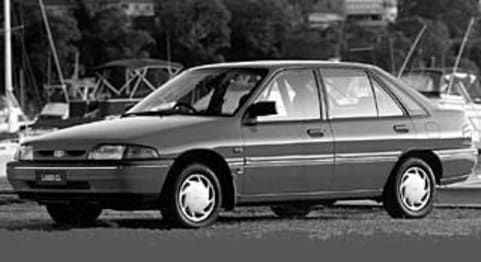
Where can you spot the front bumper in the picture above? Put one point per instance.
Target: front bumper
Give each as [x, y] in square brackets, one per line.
[97, 182]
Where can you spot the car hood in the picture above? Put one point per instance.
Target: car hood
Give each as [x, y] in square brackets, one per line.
[125, 130]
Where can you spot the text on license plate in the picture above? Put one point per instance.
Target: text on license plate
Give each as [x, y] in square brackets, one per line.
[51, 177]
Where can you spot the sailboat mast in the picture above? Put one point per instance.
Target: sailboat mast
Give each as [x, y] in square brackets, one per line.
[411, 50]
[51, 41]
[460, 53]
[8, 46]
[12, 121]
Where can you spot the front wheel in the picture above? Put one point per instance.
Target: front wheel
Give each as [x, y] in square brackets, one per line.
[79, 214]
[411, 191]
[195, 198]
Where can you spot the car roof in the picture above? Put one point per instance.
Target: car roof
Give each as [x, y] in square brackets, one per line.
[279, 64]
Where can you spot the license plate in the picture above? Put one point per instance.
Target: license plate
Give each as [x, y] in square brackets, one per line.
[51, 178]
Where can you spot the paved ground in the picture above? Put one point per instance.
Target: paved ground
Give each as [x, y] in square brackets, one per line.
[343, 232]
[349, 231]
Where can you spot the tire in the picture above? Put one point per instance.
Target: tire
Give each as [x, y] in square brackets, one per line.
[74, 215]
[194, 199]
[291, 211]
[411, 190]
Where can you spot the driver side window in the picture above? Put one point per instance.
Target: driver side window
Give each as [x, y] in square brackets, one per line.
[296, 96]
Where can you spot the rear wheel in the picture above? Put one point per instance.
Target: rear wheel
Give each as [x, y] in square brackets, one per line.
[74, 214]
[411, 191]
[195, 198]
[292, 211]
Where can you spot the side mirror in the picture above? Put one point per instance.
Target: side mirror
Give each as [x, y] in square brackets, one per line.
[266, 108]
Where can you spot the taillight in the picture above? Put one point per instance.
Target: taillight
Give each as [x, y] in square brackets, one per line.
[470, 136]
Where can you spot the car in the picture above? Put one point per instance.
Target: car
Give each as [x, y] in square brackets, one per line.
[286, 134]
[464, 94]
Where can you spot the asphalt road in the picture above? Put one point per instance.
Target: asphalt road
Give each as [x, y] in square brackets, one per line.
[341, 232]
[346, 232]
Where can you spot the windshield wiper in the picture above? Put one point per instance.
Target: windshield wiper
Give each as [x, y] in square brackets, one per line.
[169, 112]
[151, 113]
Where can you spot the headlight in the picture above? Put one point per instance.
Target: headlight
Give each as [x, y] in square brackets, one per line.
[24, 153]
[123, 152]
[107, 152]
[140, 152]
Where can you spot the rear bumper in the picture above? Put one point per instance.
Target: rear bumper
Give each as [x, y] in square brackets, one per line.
[458, 165]
[105, 182]
[454, 180]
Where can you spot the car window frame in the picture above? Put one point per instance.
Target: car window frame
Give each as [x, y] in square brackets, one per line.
[269, 80]
[380, 75]
[389, 92]
[371, 77]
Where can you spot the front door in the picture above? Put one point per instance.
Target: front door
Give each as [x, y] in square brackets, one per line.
[289, 154]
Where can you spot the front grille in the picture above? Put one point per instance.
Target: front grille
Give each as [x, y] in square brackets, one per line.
[60, 155]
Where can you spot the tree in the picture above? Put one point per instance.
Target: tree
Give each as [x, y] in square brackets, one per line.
[192, 31]
[454, 13]
[258, 28]
[32, 52]
[435, 43]
[64, 32]
[307, 43]
[108, 34]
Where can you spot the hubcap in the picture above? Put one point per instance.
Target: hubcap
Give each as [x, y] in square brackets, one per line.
[197, 198]
[415, 189]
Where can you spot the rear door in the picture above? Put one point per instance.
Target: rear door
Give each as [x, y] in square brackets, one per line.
[371, 129]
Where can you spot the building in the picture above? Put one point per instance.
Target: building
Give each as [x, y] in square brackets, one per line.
[364, 12]
[131, 7]
[326, 13]
[371, 12]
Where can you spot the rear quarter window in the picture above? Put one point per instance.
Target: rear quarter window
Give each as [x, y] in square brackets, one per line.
[400, 90]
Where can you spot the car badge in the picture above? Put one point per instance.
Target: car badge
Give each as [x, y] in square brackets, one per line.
[59, 153]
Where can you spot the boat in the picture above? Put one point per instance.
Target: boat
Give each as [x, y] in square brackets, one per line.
[114, 87]
[11, 115]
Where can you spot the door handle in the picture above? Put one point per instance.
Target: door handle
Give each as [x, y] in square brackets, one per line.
[315, 132]
[401, 129]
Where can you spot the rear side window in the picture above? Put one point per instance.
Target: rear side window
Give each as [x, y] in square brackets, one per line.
[349, 94]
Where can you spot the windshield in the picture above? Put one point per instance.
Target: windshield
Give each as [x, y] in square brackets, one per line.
[213, 92]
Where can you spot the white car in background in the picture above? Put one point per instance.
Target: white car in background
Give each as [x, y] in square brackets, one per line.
[10, 136]
[460, 90]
